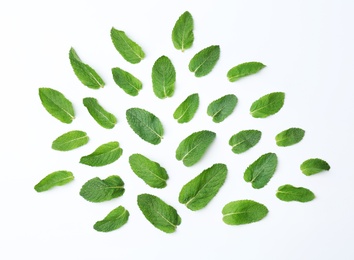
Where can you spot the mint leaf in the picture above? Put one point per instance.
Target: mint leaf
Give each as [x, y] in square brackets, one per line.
[187, 109]
[126, 81]
[97, 190]
[84, 72]
[243, 70]
[158, 213]
[182, 33]
[145, 124]
[197, 193]
[261, 171]
[70, 140]
[57, 105]
[114, 220]
[313, 166]
[163, 77]
[289, 137]
[204, 61]
[267, 105]
[103, 155]
[290, 193]
[53, 179]
[101, 116]
[129, 49]
[221, 108]
[149, 171]
[244, 140]
[243, 212]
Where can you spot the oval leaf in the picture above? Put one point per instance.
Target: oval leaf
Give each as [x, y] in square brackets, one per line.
[221, 108]
[97, 190]
[193, 147]
[204, 61]
[197, 193]
[129, 49]
[289, 137]
[244, 140]
[57, 105]
[243, 70]
[267, 105]
[163, 77]
[243, 212]
[84, 72]
[182, 33]
[290, 193]
[145, 124]
[70, 140]
[126, 81]
[114, 220]
[158, 213]
[53, 179]
[101, 116]
[103, 155]
[261, 171]
[149, 171]
[313, 166]
[187, 109]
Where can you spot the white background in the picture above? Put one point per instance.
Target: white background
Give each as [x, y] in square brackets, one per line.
[308, 49]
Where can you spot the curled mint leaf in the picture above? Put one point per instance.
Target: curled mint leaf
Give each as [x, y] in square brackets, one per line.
[53, 179]
[204, 61]
[243, 212]
[101, 116]
[126, 81]
[114, 220]
[314, 166]
[163, 77]
[289, 136]
[267, 105]
[182, 33]
[70, 140]
[244, 140]
[103, 155]
[243, 70]
[290, 193]
[221, 108]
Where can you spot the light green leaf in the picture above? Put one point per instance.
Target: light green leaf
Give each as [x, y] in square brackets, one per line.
[97, 190]
[126, 81]
[197, 193]
[70, 140]
[313, 166]
[204, 61]
[221, 108]
[290, 193]
[145, 124]
[243, 212]
[103, 155]
[267, 105]
[57, 105]
[261, 171]
[114, 220]
[243, 70]
[182, 33]
[152, 173]
[129, 49]
[158, 213]
[187, 109]
[244, 140]
[84, 72]
[194, 146]
[163, 77]
[101, 116]
[289, 137]
[53, 179]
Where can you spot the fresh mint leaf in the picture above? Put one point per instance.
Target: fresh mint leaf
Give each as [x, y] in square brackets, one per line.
[204, 61]
[103, 155]
[163, 77]
[244, 140]
[114, 220]
[267, 105]
[221, 108]
[182, 33]
[101, 116]
[53, 179]
[70, 140]
[289, 136]
[243, 212]
[290, 193]
[313, 166]
[187, 109]
[126, 81]
[243, 70]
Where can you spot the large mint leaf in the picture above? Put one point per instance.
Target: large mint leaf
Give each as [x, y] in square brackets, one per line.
[126, 81]
[103, 155]
[101, 116]
[70, 140]
[243, 212]
[222, 107]
[163, 77]
[182, 33]
[290, 193]
[53, 179]
[114, 220]
[204, 61]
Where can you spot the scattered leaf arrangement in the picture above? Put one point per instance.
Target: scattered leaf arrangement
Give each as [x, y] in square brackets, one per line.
[198, 192]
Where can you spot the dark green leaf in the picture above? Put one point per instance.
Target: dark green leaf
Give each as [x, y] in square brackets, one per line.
[101, 116]
[243, 70]
[289, 137]
[114, 220]
[221, 108]
[182, 33]
[290, 193]
[243, 212]
[204, 61]
[313, 166]
[70, 140]
[126, 81]
[103, 155]
[244, 140]
[53, 179]
[267, 105]
[163, 77]
[187, 109]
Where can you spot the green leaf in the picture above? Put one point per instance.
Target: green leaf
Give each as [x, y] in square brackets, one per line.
[53, 179]
[182, 33]
[267, 105]
[114, 220]
[101, 116]
[244, 140]
[194, 146]
[149, 171]
[261, 171]
[243, 212]
[57, 105]
[197, 193]
[158, 213]
[126, 81]
[145, 124]
[289, 137]
[243, 70]
[313, 166]
[204, 61]
[129, 49]
[70, 140]
[97, 190]
[221, 108]
[290, 193]
[187, 109]
[163, 77]
[103, 155]
[84, 72]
